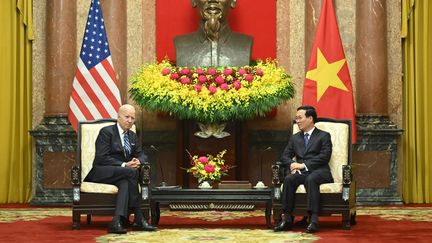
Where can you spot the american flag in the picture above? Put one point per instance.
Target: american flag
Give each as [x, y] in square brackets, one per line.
[95, 93]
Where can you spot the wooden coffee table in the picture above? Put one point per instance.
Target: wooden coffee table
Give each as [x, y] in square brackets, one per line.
[210, 199]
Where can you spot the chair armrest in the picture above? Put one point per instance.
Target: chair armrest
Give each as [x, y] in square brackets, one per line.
[76, 184]
[346, 175]
[144, 180]
[145, 174]
[76, 176]
[277, 173]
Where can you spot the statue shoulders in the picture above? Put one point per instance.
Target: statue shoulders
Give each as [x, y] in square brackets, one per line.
[186, 39]
[234, 49]
[245, 40]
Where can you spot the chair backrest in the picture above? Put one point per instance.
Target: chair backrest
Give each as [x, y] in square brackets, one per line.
[340, 132]
[88, 132]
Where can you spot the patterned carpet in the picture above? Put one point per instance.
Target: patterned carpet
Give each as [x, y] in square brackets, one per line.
[387, 224]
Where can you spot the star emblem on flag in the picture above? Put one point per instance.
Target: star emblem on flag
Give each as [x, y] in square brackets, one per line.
[326, 74]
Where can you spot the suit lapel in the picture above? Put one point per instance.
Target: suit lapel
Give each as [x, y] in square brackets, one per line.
[312, 139]
[132, 138]
[117, 139]
[301, 146]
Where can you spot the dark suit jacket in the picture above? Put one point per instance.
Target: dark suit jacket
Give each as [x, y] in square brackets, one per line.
[110, 153]
[315, 156]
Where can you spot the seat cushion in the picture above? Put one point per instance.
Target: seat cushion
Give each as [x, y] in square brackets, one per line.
[324, 188]
[91, 187]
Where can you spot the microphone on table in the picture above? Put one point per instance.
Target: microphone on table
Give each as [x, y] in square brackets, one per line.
[163, 183]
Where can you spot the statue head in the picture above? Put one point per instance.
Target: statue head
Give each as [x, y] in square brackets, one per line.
[213, 15]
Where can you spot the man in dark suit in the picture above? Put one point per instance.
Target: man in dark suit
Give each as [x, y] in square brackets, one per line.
[306, 159]
[117, 161]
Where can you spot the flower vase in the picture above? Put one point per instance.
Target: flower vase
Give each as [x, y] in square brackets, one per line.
[213, 129]
[205, 185]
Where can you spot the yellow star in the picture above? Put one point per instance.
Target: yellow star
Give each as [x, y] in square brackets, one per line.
[326, 74]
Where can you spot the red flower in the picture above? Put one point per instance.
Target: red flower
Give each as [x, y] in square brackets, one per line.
[185, 80]
[174, 76]
[224, 86]
[198, 88]
[249, 77]
[185, 71]
[203, 160]
[237, 85]
[212, 71]
[219, 80]
[227, 71]
[166, 71]
[241, 71]
[199, 71]
[212, 89]
[202, 79]
[209, 168]
[259, 72]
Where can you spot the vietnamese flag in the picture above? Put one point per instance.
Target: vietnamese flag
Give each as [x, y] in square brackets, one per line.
[328, 86]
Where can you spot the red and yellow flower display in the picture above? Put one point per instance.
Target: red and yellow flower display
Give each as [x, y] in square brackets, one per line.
[211, 94]
[208, 167]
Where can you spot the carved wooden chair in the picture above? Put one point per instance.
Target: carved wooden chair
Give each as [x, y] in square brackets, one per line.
[97, 198]
[336, 198]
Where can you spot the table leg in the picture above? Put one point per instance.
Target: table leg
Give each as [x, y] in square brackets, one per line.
[155, 214]
[268, 215]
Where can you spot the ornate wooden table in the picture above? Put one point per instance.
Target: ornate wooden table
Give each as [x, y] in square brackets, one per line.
[210, 199]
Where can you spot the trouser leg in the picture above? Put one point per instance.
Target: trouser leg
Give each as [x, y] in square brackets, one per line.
[122, 198]
[312, 184]
[135, 197]
[291, 183]
[126, 180]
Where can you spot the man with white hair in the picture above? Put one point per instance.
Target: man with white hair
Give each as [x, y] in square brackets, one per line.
[117, 161]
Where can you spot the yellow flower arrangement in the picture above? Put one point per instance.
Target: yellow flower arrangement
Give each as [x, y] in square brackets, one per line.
[208, 167]
[211, 94]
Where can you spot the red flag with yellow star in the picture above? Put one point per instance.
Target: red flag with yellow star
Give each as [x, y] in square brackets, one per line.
[328, 86]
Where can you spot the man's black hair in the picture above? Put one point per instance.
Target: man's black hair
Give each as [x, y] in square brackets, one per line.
[309, 111]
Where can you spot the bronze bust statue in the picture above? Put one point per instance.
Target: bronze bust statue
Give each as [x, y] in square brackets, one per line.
[214, 44]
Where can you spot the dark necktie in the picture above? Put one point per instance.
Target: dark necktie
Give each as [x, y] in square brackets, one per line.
[127, 146]
[306, 139]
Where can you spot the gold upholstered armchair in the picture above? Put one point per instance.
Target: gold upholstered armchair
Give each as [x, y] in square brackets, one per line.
[97, 198]
[336, 198]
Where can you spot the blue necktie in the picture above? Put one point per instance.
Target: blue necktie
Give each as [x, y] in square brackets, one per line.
[306, 139]
[127, 146]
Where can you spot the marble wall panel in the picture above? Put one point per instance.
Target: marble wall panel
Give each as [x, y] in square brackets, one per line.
[371, 169]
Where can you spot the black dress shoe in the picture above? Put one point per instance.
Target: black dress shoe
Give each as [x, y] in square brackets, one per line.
[312, 228]
[303, 222]
[125, 222]
[116, 227]
[283, 226]
[143, 226]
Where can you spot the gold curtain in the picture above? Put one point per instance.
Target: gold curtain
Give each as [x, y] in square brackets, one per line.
[15, 98]
[417, 139]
